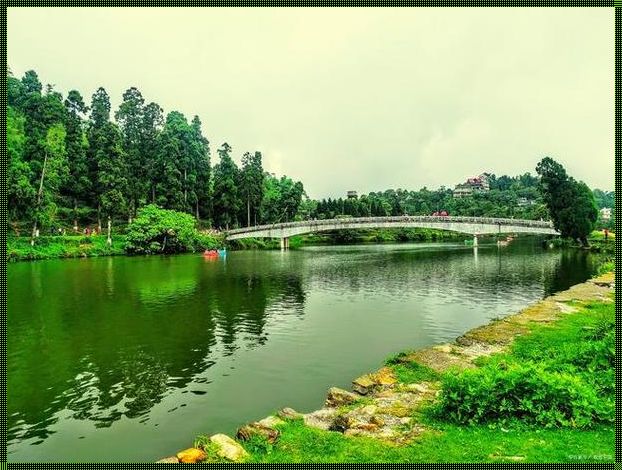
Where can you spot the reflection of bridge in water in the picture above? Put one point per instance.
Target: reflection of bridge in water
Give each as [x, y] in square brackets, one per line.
[471, 225]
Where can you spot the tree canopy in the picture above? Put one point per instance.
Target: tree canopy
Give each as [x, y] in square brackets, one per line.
[71, 163]
[570, 203]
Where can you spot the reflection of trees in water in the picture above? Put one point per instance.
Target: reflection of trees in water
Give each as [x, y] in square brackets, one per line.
[143, 381]
[452, 272]
[574, 266]
[109, 349]
[240, 301]
[118, 356]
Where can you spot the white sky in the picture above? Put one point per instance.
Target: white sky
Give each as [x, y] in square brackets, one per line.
[353, 99]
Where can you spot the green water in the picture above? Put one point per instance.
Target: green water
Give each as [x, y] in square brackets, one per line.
[128, 359]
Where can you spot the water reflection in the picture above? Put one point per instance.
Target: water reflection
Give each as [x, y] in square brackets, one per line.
[104, 350]
[103, 340]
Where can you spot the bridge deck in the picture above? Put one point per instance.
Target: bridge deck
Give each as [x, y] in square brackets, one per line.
[472, 225]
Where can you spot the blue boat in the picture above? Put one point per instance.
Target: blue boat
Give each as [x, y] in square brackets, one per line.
[222, 252]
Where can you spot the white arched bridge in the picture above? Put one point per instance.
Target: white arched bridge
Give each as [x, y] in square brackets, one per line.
[469, 225]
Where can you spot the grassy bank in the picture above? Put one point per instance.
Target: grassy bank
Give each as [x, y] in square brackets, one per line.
[301, 444]
[545, 394]
[19, 248]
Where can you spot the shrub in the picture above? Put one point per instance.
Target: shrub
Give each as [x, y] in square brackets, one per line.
[524, 392]
[157, 230]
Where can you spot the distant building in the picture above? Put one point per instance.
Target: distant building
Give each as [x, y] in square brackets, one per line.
[605, 213]
[523, 201]
[352, 195]
[463, 190]
[477, 183]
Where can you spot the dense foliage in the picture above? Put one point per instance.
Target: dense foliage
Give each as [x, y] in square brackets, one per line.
[70, 246]
[158, 230]
[570, 203]
[516, 197]
[70, 163]
[561, 376]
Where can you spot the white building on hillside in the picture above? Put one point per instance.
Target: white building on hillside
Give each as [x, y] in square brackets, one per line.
[605, 213]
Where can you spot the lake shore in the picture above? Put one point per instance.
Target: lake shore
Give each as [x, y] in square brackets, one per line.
[387, 418]
[82, 246]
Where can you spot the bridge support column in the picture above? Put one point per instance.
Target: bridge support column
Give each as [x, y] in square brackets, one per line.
[285, 243]
[474, 240]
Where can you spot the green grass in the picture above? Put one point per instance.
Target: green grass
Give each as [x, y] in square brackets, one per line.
[19, 248]
[409, 371]
[578, 345]
[301, 444]
[560, 375]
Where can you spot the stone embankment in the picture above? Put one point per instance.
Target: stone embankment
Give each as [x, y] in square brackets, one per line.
[379, 406]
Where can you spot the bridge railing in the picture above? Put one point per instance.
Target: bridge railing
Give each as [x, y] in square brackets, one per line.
[402, 218]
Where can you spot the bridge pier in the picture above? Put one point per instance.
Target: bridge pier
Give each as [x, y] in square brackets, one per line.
[285, 243]
[474, 240]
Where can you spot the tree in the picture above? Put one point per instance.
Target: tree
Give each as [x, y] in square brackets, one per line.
[98, 145]
[201, 152]
[130, 117]
[173, 163]
[153, 121]
[78, 184]
[112, 174]
[31, 82]
[20, 190]
[282, 199]
[158, 230]
[107, 161]
[570, 203]
[226, 197]
[53, 172]
[252, 177]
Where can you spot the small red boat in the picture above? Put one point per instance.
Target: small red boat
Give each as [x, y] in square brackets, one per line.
[210, 253]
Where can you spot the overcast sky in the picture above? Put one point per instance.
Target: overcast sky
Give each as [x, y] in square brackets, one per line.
[353, 99]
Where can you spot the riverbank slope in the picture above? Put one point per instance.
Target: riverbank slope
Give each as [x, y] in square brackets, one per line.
[536, 386]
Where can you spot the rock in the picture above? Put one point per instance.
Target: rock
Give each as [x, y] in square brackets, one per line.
[339, 397]
[417, 387]
[289, 413]
[321, 419]
[271, 422]
[367, 383]
[384, 377]
[363, 385]
[377, 420]
[192, 455]
[365, 426]
[228, 448]
[169, 460]
[247, 431]
[369, 410]
[341, 423]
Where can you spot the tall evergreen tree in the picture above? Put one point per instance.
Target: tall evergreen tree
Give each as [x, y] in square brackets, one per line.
[226, 198]
[201, 154]
[130, 117]
[53, 172]
[252, 177]
[171, 189]
[78, 185]
[20, 189]
[100, 144]
[153, 121]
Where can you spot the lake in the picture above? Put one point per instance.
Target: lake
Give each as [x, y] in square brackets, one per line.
[130, 358]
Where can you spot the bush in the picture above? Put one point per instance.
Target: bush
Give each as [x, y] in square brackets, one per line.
[561, 375]
[522, 392]
[157, 230]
